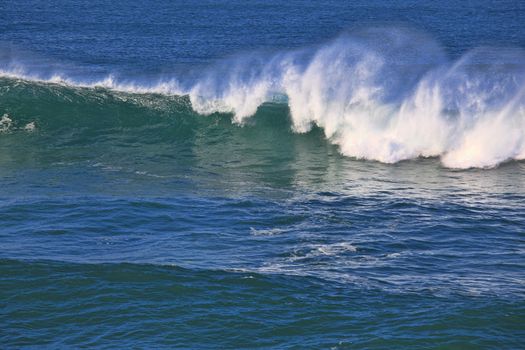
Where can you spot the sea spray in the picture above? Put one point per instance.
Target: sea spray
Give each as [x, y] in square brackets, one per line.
[384, 94]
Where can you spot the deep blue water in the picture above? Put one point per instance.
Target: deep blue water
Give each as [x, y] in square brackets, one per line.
[342, 175]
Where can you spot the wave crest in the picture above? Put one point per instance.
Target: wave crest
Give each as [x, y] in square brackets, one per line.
[385, 94]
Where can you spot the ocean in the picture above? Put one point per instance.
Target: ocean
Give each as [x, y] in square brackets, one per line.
[262, 174]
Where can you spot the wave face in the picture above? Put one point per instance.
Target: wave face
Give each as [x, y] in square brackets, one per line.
[383, 94]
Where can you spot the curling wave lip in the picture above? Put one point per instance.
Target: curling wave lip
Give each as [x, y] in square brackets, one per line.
[383, 94]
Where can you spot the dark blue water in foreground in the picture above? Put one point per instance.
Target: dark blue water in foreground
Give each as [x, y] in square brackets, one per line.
[243, 175]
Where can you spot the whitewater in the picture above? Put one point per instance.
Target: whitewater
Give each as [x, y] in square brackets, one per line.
[383, 94]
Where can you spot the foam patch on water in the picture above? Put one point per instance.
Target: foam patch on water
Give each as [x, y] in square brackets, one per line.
[30, 127]
[384, 94]
[7, 125]
[266, 232]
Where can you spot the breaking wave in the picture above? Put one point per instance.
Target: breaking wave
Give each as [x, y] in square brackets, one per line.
[384, 94]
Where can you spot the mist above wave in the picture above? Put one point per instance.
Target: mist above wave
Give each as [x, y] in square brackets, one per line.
[384, 94]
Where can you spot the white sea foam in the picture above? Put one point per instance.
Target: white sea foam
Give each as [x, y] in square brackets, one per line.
[30, 127]
[5, 123]
[266, 232]
[336, 250]
[381, 94]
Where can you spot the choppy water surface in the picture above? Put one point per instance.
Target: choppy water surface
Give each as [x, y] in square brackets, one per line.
[340, 175]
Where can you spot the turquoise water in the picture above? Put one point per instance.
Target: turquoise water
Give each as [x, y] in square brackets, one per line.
[343, 175]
